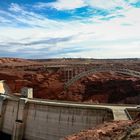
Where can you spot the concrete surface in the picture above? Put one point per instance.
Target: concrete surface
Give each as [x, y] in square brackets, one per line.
[36, 119]
[50, 120]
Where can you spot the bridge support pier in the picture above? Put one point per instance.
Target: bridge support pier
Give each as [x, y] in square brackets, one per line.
[20, 121]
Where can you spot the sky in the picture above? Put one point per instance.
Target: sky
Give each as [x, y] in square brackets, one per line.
[36, 29]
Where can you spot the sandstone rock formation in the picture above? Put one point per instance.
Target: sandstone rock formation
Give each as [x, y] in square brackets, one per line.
[100, 88]
[116, 130]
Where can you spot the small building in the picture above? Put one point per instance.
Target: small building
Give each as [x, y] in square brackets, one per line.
[27, 92]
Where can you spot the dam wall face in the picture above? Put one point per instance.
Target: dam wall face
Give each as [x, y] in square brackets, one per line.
[51, 122]
[9, 116]
[47, 120]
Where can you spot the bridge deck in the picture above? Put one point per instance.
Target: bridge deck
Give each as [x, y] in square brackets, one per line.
[100, 69]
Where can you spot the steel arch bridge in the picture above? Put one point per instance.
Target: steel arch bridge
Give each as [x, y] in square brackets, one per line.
[100, 69]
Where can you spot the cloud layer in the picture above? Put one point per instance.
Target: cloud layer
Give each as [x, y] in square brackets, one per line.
[75, 28]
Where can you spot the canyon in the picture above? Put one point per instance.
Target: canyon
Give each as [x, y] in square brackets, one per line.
[47, 79]
[104, 87]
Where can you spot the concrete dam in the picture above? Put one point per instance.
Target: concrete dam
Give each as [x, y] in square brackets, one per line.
[36, 119]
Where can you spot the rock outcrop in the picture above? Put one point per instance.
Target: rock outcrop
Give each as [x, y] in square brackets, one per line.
[116, 130]
[48, 84]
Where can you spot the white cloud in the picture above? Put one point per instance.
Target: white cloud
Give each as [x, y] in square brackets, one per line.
[15, 7]
[68, 5]
[62, 4]
[106, 4]
[108, 51]
[73, 4]
[104, 39]
[132, 1]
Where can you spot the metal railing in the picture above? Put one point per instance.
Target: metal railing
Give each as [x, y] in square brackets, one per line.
[102, 69]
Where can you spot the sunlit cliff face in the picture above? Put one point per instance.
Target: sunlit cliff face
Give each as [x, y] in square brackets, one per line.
[1, 87]
[4, 88]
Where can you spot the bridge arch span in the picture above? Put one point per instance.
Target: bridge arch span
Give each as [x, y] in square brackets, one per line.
[97, 70]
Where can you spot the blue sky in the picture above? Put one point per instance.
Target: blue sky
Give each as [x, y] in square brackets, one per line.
[70, 28]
